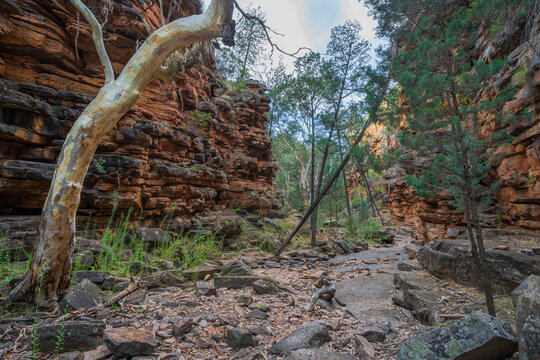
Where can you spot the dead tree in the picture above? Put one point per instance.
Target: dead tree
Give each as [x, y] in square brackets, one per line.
[51, 263]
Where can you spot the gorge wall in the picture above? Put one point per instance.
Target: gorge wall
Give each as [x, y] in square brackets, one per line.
[517, 200]
[189, 146]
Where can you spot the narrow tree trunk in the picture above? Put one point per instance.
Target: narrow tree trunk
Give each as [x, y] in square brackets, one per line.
[51, 262]
[347, 199]
[312, 184]
[374, 206]
[484, 268]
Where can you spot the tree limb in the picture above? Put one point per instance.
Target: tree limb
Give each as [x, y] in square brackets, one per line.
[97, 36]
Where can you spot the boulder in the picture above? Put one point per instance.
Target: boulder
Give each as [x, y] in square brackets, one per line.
[129, 342]
[309, 335]
[83, 295]
[264, 286]
[163, 279]
[238, 267]
[476, 336]
[375, 332]
[153, 237]
[75, 335]
[526, 299]
[452, 259]
[238, 339]
[317, 354]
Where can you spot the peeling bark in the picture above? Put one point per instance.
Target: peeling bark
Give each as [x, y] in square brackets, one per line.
[53, 251]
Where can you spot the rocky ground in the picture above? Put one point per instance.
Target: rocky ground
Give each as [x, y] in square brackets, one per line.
[253, 308]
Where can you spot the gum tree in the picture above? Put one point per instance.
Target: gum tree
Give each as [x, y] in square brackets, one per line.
[49, 272]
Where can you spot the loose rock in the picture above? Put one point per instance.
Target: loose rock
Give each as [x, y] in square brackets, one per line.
[129, 342]
[83, 295]
[237, 339]
[309, 335]
[526, 299]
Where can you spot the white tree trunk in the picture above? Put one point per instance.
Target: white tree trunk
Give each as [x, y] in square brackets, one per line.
[51, 263]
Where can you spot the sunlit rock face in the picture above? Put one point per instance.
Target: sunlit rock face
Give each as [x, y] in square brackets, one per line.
[518, 197]
[190, 145]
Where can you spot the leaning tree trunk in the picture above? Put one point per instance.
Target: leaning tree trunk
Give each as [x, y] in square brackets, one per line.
[344, 174]
[51, 262]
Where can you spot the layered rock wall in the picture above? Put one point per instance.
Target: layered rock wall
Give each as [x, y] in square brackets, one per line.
[517, 200]
[189, 146]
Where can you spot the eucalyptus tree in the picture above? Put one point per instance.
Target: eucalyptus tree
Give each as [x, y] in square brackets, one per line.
[48, 276]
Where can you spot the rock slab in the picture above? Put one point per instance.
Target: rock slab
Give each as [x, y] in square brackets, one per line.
[476, 336]
[83, 295]
[317, 354]
[76, 335]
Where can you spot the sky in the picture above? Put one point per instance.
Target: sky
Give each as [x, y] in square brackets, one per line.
[307, 23]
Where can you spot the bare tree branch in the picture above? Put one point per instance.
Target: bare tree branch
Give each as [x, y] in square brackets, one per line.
[97, 35]
[266, 29]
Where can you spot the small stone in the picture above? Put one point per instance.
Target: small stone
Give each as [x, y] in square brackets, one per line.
[372, 333]
[501, 247]
[238, 267]
[536, 250]
[245, 300]
[237, 339]
[83, 295]
[152, 236]
[129, 342]
[259, 306]
[203, 343]
[262, 287]
[363, 349]
[317, 354]
[101, 353]
[206, 289]
[311, 334]
[183, 326]
[97, 277]
[114, 283]
[218, 337]
[257, 314]
[164, 278]
[199, 272]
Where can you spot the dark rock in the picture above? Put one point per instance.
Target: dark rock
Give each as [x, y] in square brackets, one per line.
[83, 295]
[237, 339]
[452, 259]
[245, 300]
[309, 335]
[238, 267]
[97, 277]
[166, 265]
[136, 297]
[235, 282]
[526, 299]
[163, 279]
[152, 237]
[203, 343]
[218, 337]
[115, 283]
[183, 326]
[423, 303]
[363, 349]
[129, 342]
[205, 289]
[375, 332]
[84, 259]
[72, 355]
[317, 354]
[536, 250]
[413, 280]
[141, 268]
[408, 266]
[257, 314]
[262, 287]
[477, 336]
[76, 335]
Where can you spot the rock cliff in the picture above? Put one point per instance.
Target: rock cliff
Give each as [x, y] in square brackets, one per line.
[517, 200]
[189, 146]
